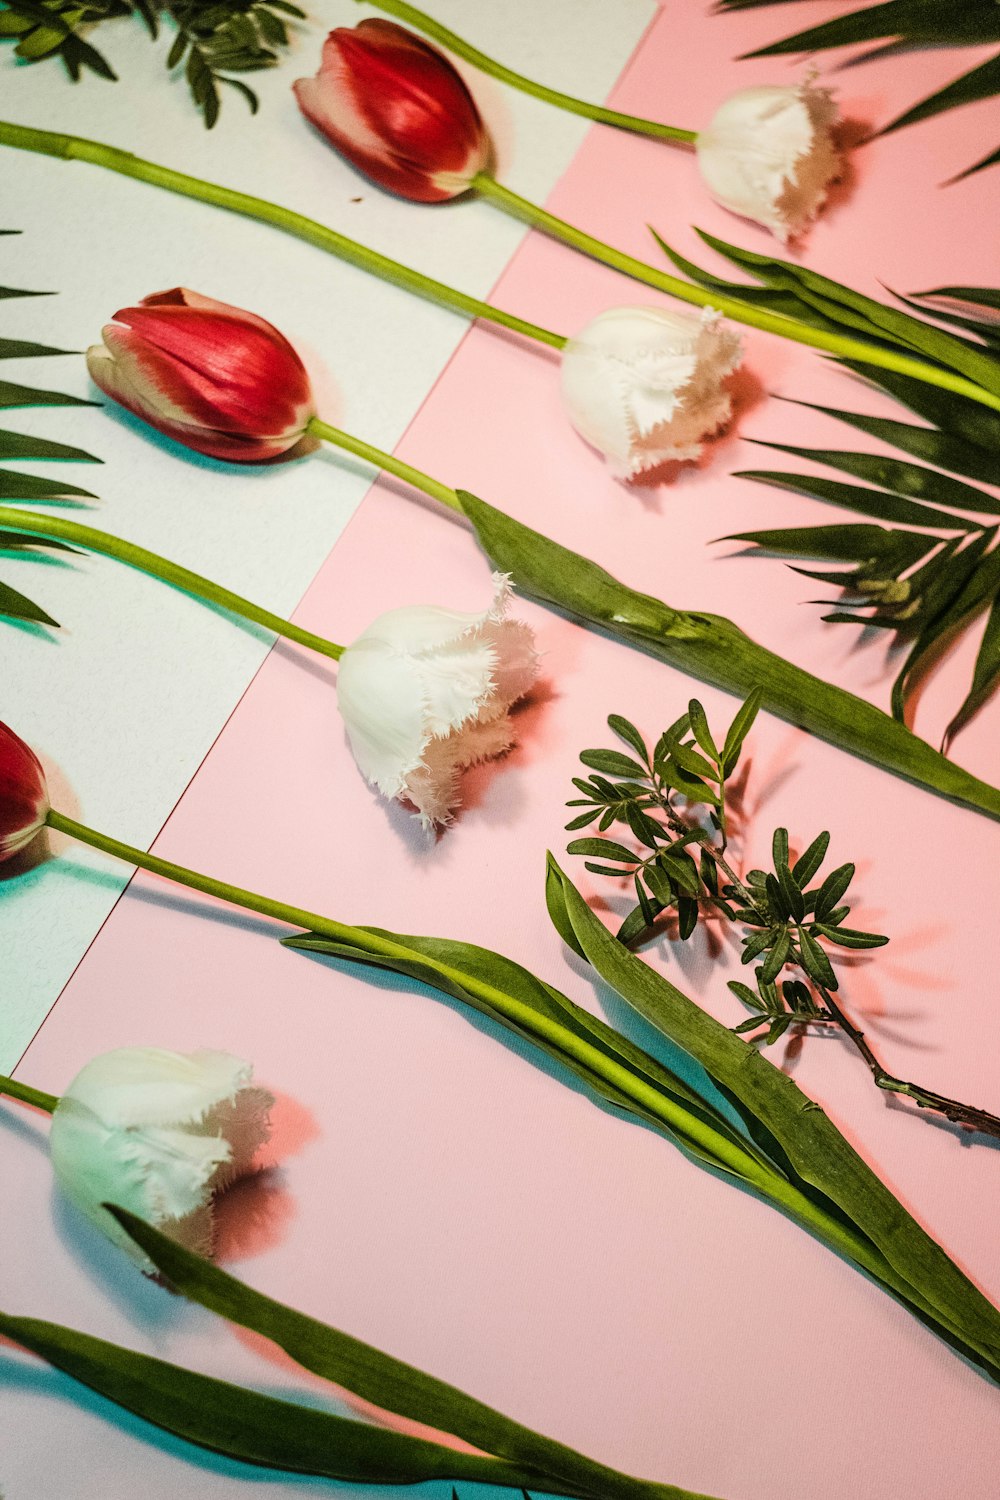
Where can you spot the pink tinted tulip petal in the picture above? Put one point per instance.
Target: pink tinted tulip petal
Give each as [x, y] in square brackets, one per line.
[397, 109]
[183, 296]
[224, 372]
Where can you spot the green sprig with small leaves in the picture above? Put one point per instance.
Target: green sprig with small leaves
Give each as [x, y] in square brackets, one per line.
[211, 38]
[672, 800]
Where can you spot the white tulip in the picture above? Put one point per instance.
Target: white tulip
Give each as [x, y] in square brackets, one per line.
[158, 1133]
[424, 693]
[644, 385]
[769, 155]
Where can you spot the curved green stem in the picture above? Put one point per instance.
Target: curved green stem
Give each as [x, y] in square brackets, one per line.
[839, 345]
[27, 1094]
[728, 1156]
[464, 49]
[77, 148]
[386, 461]
[170, 572]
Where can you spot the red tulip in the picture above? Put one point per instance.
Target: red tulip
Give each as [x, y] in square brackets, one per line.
[397, 109]
[24, 797]
[216, 378]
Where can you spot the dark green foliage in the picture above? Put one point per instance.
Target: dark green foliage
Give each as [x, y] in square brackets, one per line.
[211, 38]
[923, 584]
[15, 485]
[908, 23]
[673, 802]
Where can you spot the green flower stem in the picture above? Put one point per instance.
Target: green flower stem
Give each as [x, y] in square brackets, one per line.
[77, 148]
[839, 345]
[832, 1228]
[485, 64]
[386, 461]
[27, 1094]
[168, 572]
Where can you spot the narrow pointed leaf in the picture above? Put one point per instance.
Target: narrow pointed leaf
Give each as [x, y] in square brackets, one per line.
[982, 82]
[815, 961]
[899, 1252]
[849, 937]
[359, 1367]
[904, 479]
[701, 731]
[612, 763]
[25, 349]
[12, 394]
[495, 986]
[832, 889]
[713, 649]
[877, 503]
[17, 606]
[986, 674]
[246, 1425]
[14, 486]
[971, 586]
[628, 732]
[864, 313]
[30, 445]
[807, 864]
[739, 729]
[603, 849]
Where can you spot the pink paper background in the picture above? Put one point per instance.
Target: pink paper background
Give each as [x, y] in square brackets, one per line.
[438, 1191]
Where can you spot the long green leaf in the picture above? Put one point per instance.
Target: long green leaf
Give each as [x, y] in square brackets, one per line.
[977, 428]
[25, 349]
[376, 1377]
[819, 1153]
[852, 543]
[246, 1425]
[939, 21]
[713, 649]
[982, 82]
[12, 394]
[948, 447]
[28, 445]
[541, 1015]
[985, 677]
[968, 585]
[867, 314]
[18, 606]
[914, 480]
[877, 503]
[14, 486]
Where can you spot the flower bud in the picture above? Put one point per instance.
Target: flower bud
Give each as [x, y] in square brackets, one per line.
[24, 797]
[158, 1133]
[397, 109]
[213, 377]
[769, 155]
[644, 385]
[425, 693]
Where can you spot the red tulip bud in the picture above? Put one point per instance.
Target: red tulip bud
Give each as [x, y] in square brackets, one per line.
[216, 378]
[396, 108]
[24, 797]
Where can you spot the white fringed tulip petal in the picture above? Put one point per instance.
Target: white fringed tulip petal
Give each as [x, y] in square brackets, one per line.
[644, 385]
[769, 155]
[157, 1133]
[424, 694]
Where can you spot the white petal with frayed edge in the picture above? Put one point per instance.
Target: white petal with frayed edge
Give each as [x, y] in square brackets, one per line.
[644, 385]
[769, 155]
[157, 1133]
[424, 693]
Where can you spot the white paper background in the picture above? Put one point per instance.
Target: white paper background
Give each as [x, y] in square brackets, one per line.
[125, 700]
